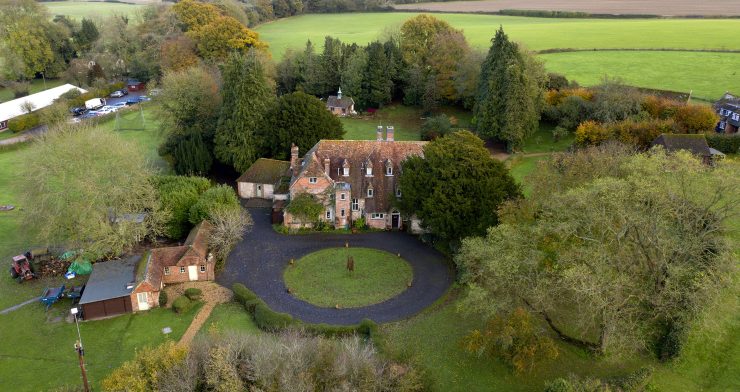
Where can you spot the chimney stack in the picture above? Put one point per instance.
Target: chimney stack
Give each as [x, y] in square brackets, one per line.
[379, 133]
[326, 166]
[389, 133]
[294, 163]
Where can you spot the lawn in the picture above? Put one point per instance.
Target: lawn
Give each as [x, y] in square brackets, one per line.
[230, 316]
[535, 33]
[36, 85]
[521, 166]
[542, 141]
[149, 137]
[40, 346]
[322, 278]
[39, 356]
[406, 122]
[708, 75]
[91, 9]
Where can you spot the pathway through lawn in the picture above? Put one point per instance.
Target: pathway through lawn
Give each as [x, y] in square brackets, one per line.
[213, 294]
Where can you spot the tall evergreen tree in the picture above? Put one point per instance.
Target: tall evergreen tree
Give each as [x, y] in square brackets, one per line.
[377, 83]
[247, 95]
[510, 92]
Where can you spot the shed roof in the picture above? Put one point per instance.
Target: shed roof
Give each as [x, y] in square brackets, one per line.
[14, 108]
[265, 171]
[111, 279]
[696, 144]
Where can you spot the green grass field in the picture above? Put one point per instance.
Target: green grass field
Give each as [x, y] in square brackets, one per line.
[707, 74]
[321, 278]
[406, 122]
[91, 9]
[36, 85]
[230, 316]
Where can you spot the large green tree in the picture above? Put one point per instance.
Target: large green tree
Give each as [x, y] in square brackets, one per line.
[84, 188]
[456, 187]
[247, 96]
[297, 118]
[510, 92]
[619, 253]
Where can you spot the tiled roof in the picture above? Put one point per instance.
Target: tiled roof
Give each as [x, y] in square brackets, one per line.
[265, 171]
[357, 154]
[696, 144]
[197, 241]
[335, 102]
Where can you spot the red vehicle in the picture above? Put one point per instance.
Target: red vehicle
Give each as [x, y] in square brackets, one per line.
[21, 269]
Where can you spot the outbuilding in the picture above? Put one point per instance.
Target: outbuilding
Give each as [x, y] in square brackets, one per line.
[108, 291]
[19, 106]
[263, 178]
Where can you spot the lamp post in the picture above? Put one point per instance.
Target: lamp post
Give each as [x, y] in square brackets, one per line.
[80, 351]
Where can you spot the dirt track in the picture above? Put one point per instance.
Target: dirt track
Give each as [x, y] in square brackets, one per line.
[624, 7]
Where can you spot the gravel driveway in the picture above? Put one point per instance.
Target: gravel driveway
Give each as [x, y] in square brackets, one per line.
[259, 260]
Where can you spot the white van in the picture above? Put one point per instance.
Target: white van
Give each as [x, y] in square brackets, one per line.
[95, 103]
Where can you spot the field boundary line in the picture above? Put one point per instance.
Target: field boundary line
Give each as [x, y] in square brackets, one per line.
[570, 50]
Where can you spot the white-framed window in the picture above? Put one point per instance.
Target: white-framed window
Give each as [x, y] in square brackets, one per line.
[182, 270]
[736, 116]
[345, 172]
[312, 180]
[370, 192]
[398, 192]
[202, 268]
[342, 212]
[389, 171]
[342, 196]
[328, 214]
[166, 270]
[355, 205]
[377, 215]
[369, 171]
[142, 297]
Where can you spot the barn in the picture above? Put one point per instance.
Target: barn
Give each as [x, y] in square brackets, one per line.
[108, 291]
[12, 109]
[263, 178]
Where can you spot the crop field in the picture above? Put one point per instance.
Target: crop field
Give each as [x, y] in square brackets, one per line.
[91, 9]
[707, 74]
[621, 7]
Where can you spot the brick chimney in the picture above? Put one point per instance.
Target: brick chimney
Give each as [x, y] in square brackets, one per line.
[326, 166]
[379, 133]
[389, 133]
[295, 164]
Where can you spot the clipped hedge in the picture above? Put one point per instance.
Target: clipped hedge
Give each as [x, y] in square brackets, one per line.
[23, 122]
[182, 304]
[270, 320]
[728, 144]
[193, 294]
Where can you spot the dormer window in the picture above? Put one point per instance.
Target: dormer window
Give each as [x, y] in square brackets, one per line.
[369, 171]
[398, 192]
[369, 192]
[312, 180]
[389, 171]
[345, 168]
[342, 196]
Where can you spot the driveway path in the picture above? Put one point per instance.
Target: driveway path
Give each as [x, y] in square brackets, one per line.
[25, 136]
[12, 308]
[259, 260]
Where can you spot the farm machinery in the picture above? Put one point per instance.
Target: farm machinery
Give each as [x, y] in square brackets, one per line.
[21, 269]
[53, 294]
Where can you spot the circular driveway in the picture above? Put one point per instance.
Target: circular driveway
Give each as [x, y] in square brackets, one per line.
[259, 259]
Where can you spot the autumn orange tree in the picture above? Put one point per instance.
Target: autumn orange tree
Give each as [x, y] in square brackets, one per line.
[215, 34]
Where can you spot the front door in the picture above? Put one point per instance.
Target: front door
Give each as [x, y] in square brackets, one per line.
[395, 221]
[193, 272]
[259, 191]
[142, 299]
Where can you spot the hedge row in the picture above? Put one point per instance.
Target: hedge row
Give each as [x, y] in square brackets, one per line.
[270, 320]
[23, 122]
[728, 144]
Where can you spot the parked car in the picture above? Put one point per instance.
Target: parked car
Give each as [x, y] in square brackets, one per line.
[144, 98]
[78, 111]
[119, 93]
[119, 105]
[87, 115]
[132, 101]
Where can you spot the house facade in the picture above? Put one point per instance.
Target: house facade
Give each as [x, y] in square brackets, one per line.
[263, 178]
[354, 179]
[728, 109]
[339, 105]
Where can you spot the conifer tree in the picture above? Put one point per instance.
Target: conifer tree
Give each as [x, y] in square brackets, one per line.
[247, 95]
[510, 92]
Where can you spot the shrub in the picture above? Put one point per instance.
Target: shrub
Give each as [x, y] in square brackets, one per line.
[177, 194]
[218, 198]
[559, 133]
[435, 127]
[728, 144]
[193, 294]
[305, 207]
[242, 294]
[361, 223]
[182, 304]
[591, 133]
[163, 298]
[695, 118]
[229, 225]
[23, 122]
[270, 320]
[144, 371]
[671, 340]
[640, 133]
